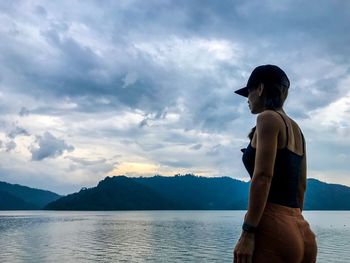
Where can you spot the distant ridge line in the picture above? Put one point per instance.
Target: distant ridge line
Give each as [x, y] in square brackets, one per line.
[187, 192]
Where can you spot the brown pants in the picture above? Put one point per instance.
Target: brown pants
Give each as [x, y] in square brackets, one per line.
[283, 235]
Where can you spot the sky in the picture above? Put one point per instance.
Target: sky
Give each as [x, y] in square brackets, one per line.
[90, 89]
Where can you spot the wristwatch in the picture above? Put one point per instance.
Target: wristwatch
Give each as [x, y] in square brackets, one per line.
[248, 228]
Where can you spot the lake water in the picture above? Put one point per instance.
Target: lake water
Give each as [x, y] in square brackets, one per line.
[147, 236]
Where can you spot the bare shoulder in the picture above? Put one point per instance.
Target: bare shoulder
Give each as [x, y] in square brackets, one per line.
[267, 127]
[268, 118]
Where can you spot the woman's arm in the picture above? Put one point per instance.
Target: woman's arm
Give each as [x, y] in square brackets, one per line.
[267, 139]
[267, 129]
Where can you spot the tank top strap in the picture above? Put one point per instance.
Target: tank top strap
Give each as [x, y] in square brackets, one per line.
[286, 128]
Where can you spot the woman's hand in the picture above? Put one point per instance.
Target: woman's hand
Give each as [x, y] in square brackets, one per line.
[243, 252]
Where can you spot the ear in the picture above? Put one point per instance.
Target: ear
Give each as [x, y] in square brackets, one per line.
[260, 89]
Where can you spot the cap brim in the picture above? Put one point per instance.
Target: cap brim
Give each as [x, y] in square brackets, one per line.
[243, 92]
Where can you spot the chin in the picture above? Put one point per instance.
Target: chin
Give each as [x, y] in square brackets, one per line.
[253, 111]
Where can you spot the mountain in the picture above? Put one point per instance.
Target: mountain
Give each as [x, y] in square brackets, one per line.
[187, 192]
[179, 192]
[193, 192]
[10, 202]
[157, 193]
[323, 196]
[114, 193]
[18, 197]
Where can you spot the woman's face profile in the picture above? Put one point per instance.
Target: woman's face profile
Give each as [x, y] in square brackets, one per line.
[255, 99]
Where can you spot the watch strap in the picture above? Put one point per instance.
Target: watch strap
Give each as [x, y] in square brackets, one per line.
[248, 228]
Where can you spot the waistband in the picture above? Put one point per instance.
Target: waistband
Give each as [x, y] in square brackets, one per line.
[281, 209]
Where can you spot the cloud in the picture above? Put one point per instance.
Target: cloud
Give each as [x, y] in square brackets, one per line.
[176, 164]
[130, 79]
[49, 146]
[84, 161]
[196, 146]
[9, 142]
[18, 131]
[40, 11]
[96, 167]
[156, 87]
[331, 121]
[23, 112]
[10, 145]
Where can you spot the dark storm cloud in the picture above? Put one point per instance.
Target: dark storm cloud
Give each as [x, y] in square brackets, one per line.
[255, 20]
[48, 146]
[216, 114]
[76, 57]
[84, 72]
[79, 73]
[282, 23]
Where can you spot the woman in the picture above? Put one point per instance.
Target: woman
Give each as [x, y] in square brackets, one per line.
[274, 229]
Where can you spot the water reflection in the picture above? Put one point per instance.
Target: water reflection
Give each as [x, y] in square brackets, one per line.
[145, 236]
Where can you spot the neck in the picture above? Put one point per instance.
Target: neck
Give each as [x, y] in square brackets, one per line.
[278, 109]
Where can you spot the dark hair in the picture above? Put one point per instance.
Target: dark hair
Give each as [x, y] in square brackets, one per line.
[274, 93]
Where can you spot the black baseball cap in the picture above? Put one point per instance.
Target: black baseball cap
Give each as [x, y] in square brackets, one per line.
[267, 74]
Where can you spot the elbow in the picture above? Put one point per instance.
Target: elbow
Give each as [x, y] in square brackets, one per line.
[260, 182]
[262, 178]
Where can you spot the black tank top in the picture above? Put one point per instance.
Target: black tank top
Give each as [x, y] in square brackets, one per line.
[287, 171]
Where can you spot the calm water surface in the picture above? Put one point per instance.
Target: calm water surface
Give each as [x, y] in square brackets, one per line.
[147, 236]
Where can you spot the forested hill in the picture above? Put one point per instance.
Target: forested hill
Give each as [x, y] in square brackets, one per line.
[324, 196]
[187, 192]
[18, 197]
